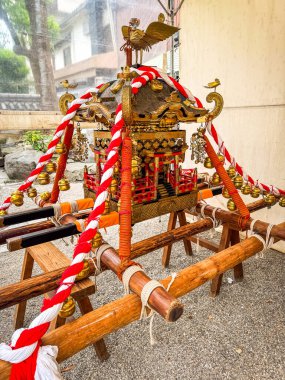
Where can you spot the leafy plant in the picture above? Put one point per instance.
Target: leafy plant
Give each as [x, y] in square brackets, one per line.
[13, 72]
[37, 139]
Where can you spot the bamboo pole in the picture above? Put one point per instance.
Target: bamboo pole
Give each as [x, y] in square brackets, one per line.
[22, 291]
[93, 326]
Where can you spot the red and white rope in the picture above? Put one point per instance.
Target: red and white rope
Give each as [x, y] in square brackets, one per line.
[26, 341]
[149, 73]
[46, 157]
[222, 148]
[51, 307]
[210, 127]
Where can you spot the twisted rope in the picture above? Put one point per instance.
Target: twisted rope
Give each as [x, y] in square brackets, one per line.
[46, 157]
[268, 241]
[25, 341]
[231, 159]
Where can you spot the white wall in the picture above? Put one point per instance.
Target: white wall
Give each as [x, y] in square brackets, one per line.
[80, 42]
[241, 42]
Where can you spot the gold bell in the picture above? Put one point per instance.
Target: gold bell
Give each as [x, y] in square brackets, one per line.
[221, 157]
[32, 192]
[282, 202]
[135, 166]
[246, 189]
[43, 178]
[17, 198]
[133, 186]
[85, 271]
[68, 308]
[255, 192]
[215, 179]
[97, 240]
[113, 186]
[51, 167]
[238, 181]
[231, 205]
[3, 212]
[45, 196]
[119, 205]
[225, 193]
[107, 207]
[208, 163]
[269, 199]
[60, 148]
[116, 169]
[231, 171]
[63, 184]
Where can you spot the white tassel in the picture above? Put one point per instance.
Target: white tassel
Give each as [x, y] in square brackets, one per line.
[47, 366]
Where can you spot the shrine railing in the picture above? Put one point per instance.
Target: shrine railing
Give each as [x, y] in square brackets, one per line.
[187, 180]
[90, 181]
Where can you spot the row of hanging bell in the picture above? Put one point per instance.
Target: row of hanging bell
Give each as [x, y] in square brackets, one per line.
[208, 162]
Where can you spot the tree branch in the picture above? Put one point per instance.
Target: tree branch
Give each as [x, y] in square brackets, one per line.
[18, 48]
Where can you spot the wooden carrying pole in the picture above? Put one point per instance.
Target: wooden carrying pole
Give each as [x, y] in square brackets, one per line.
[233, 219]
[90, 328]
[22, 291]
[46, 210]
[24, 237]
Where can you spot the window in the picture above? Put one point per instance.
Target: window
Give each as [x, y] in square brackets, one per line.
[67, 56]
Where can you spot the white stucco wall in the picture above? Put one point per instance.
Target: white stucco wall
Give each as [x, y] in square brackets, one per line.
[80, 44]
[241, 42]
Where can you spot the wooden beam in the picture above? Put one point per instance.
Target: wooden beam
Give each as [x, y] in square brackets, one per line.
[90, 328]
[31, 120]
[39, 237]
[33, 227]
[26, 216]
[164, 304]
[205, 243]
[233, 219]
[167, 249]
[13, 294]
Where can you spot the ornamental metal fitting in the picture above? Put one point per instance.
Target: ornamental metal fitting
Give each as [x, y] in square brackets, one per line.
[197, 146]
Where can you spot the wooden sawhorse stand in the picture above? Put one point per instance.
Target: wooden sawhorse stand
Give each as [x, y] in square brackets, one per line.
[49, 258]
[229, 237]
[171, 225]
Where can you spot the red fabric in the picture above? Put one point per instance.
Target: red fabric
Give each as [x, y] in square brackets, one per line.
[26, 369]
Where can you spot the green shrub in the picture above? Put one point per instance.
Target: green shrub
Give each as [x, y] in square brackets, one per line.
[37, 139]
[13, 72]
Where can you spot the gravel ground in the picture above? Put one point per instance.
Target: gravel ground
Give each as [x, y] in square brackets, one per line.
[238, 335]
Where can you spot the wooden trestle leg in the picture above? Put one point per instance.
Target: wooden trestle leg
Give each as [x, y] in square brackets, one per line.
[27, 270]
[85, 307]
[229, 237]
[50, 258]
[171, 225]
